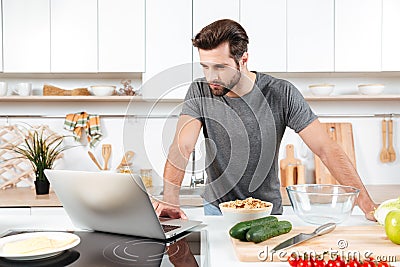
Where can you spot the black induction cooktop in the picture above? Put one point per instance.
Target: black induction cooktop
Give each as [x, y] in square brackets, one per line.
[100, 249]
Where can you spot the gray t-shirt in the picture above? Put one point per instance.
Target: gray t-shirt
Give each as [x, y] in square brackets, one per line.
[243, 135]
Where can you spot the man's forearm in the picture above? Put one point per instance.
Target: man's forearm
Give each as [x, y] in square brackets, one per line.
[173, 177]
[342, 169]
[174, 173]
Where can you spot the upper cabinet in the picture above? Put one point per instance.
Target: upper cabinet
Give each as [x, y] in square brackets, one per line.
[73, 36]
[168, 48]
[310, 35]
[26, 36]
[121, 43]
[265, 24]
[358, 35]
[206, 12]
[390, 35]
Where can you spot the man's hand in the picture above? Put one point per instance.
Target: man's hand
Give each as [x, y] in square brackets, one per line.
[370, 215]
[167, 210]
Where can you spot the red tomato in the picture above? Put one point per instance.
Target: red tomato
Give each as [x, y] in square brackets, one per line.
[367, 263]
[304, 263]
[353, 263]
[383, 264]
[318, 263]
[335, 263]
[293, 261]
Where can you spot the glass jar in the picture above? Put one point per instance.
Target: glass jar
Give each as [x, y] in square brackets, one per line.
[125, 168]
[147, 178]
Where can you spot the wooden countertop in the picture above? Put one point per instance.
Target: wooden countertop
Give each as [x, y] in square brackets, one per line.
[26, 197]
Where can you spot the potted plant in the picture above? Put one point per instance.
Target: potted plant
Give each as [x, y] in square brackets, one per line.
[41, 151]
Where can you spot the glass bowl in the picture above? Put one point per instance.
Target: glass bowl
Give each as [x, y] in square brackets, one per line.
[320, 204]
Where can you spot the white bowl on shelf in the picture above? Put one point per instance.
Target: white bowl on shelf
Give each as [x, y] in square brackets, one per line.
[321, 89]
[102, 90]
[371, 89]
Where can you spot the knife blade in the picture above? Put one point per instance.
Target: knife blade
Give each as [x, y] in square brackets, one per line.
[300, 238]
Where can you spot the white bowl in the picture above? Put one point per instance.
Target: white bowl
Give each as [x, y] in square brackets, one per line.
[102, 90]
[370, 89]
[321, 89]
[235, 215]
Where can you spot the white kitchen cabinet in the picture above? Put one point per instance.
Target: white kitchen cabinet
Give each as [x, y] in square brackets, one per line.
[265, 24]
[26, 36]
[121, 26]
[73, 36]
[390, 35]
[310, 35]
[206, 12]
[168, 48]
[358, 35]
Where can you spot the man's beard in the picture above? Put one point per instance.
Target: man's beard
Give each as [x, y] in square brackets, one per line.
[219, 88]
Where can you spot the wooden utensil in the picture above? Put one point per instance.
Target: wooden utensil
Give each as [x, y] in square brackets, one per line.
[342, 133]
[391, 151]
[384, 156]
[106, 153]
[288, 167]
[362, 239]
[126, 158]
[94, 160]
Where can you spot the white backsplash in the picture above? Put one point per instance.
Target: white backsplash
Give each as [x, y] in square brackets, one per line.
[150, 138]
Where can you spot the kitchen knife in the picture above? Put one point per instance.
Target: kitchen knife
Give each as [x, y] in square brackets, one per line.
[323, 229]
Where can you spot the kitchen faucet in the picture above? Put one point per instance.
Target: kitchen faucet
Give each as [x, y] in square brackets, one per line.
[193, 180]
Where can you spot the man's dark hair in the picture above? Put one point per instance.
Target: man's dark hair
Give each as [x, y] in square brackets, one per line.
[221, 31]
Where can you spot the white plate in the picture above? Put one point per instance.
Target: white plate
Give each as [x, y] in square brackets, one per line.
[38, 255]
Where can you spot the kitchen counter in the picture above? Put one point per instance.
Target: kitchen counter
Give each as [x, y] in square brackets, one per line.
[221, 252]
[26, 197]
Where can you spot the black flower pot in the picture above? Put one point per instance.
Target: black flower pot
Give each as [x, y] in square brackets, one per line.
[42, 187]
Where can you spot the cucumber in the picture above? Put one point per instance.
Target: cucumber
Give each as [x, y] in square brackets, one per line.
[261, 233]
[239, 230]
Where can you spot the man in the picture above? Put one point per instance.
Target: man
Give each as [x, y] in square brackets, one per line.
[244, 115]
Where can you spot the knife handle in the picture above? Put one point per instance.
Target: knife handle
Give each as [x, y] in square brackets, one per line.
[324, 229]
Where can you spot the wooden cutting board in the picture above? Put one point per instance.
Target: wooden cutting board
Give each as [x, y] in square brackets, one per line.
[361, 239]
[342, 133]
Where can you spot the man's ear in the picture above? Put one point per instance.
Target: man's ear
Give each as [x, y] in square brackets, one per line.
[243, 60]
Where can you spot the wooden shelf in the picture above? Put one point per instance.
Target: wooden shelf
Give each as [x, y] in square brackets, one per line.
[353, 98]
[178, 100]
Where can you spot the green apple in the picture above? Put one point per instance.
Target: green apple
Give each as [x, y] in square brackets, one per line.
[392, 226]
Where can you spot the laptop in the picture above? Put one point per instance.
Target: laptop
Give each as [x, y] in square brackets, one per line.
[112, 202]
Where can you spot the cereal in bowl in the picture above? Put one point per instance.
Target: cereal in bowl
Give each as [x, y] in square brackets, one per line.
[248, 203]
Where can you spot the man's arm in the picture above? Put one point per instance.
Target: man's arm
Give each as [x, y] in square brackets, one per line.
[187, 132]
[335, 159]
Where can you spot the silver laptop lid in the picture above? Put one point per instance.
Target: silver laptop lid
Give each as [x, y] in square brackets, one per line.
[106, 201]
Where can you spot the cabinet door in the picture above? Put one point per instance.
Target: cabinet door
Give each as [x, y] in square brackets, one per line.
[310, 35]
[73, 36]
[358, 35]
[121, 35]
[265, 24]
[26, 35]
[206, 12]
[168, 48]
[390, 35]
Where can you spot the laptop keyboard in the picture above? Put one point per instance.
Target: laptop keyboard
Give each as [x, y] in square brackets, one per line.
[167, 227]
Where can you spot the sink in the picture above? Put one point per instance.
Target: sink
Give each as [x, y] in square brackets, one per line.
[188, 191]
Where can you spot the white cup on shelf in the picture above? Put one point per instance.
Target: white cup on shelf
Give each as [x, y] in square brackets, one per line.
[3, 88]
[23, 89]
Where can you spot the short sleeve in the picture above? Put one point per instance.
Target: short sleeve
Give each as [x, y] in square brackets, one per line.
[192, 103]
[299, 114]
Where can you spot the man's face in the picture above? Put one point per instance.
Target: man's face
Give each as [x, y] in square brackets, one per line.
[220, 69]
